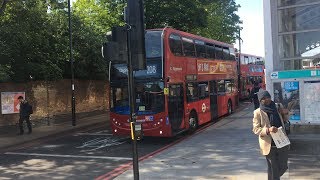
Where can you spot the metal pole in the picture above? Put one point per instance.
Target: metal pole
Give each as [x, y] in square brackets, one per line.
[239, 64]
[132, 109]
[73, 99]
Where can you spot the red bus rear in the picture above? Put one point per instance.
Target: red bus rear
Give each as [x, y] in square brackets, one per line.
[189, 81]
[251, 70]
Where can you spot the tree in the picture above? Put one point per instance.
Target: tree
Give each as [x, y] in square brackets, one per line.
[34, 42]
[184, 15]
[28, 41]
[100, 15]
[34, 34]
[215, 19]
[223, 23]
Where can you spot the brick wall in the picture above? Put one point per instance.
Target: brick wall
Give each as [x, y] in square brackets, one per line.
[54, 98]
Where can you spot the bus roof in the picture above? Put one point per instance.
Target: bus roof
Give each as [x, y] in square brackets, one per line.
[250, 55]
[186, 34]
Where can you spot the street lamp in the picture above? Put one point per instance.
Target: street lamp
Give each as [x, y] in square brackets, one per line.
[73, 99]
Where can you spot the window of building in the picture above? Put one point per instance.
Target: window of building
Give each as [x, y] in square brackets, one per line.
[295, 64]
[305, 45]
[295, 2]
[175, 44]
[188, 47]
[200, 48]
[299, 18]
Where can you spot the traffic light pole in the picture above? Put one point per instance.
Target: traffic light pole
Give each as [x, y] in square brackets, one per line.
[73, 99]
[132, 109]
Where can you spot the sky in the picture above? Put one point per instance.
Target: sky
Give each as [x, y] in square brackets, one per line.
[251, 13]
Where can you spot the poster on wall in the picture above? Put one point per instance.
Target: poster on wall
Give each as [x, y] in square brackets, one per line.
[288, 94]
[10, 102]
[312, 101]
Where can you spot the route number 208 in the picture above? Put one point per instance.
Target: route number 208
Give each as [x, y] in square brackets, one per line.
[151, 69]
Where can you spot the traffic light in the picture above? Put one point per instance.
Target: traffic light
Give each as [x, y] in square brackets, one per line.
[110, 51]
[115, 49]
[135, 18]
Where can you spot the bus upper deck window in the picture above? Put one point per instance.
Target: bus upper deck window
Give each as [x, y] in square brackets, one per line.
[175, 44]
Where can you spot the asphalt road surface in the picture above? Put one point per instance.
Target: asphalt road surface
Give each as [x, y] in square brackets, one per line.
[81, 155]
[86, 154]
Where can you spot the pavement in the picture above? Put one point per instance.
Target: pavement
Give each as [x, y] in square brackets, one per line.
[40, 132]
[226, 150]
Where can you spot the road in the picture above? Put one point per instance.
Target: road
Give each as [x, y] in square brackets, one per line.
[85, 154]
[80, 155]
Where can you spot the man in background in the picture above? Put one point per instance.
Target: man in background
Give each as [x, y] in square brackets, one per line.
[254, 95]
[25, 111]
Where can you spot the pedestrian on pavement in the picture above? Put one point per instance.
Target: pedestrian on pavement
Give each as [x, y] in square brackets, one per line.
[25, 111]
[267, 119]
[254, 95]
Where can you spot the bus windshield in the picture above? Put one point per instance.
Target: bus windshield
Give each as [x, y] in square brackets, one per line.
[153, 44]
[149, 98]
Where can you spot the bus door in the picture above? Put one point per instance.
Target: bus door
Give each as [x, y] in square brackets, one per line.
[175, 106]
[204, 114]
[213, 100]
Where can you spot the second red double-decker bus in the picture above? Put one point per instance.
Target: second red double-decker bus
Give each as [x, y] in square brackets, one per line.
[251, 71]
[189, 81]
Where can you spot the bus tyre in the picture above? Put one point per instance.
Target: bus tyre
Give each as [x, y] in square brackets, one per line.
[229, 107]
[193, 123]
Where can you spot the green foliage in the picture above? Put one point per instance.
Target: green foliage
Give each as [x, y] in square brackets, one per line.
[34, 37]
[100, 15]
[4, 73]
[92, 20]
[34, 42]
[183, 15]
[223, 23]
[215, 19]
[25, 36]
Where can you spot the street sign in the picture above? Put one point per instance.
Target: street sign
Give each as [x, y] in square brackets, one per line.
[295, 74]
[274, 75]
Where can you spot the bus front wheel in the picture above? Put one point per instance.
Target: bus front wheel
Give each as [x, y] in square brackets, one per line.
[193, 123]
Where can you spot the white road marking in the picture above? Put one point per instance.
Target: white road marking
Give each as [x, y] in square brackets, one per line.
[70, 156]
[99, 143]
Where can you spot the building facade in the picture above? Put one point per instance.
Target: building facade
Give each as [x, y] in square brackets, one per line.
[292, 56]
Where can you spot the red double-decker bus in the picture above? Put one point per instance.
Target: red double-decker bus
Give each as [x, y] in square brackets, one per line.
[190, 80]
[251, 70]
